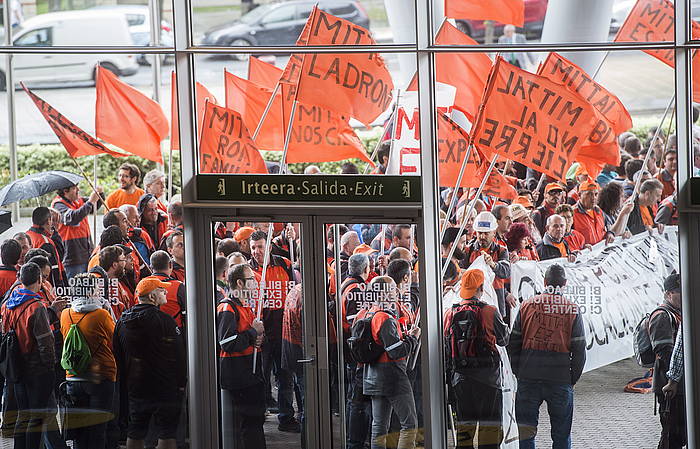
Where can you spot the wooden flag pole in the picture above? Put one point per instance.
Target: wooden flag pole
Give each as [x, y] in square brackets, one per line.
[470, 208]
[261, 291]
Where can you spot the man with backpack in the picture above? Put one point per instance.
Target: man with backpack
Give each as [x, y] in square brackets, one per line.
[162, 266]
[28, 356]
[239, 335]
[385, 376]
[472, 330]
[664, 323]
[547, 350]
[91, 371]
[150, 355]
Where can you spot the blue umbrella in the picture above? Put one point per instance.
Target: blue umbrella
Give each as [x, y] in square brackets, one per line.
[37, 184]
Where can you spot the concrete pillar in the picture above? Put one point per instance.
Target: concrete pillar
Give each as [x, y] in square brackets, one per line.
[570, 21]
[402, 19]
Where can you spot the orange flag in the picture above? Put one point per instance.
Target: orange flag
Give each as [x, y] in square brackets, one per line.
[453, 142]
[530, 119]
[612, 117]
[358, 85]
[127, 118]
[226, 146]
[504, 11]
[262, 73]
[466, 71]
[76, 141]
[317, 134]
[203, 96]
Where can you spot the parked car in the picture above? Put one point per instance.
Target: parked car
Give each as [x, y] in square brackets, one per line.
[279, 23]
[69, 29]
[535, 11]
[139, 19]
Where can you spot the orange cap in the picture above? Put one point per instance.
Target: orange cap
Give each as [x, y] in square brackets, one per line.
[471, 281]
[554, 186]
[587, 185]
[364, 249]
[148, 284]
[243, 233]
[524, 201]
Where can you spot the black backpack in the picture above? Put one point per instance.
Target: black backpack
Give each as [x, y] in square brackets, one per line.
[467, 343]
[10, 353]
[363, 348]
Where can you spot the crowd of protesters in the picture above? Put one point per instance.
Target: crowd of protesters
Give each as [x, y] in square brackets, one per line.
[132, 315]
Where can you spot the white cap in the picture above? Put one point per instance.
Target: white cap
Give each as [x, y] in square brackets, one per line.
[485, 222]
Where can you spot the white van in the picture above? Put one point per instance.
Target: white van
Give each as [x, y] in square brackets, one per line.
[72, 28]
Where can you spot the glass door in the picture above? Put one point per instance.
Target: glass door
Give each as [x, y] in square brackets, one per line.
[371, 278]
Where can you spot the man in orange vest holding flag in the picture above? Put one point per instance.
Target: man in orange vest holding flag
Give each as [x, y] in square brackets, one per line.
[74, 228]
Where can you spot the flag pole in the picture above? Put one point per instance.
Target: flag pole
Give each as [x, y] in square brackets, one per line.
[470, 208]
[392, 120]
[600, 66]
[87, 179]
[94, 212]
[638, 182]
[393, 128]
[381, 246]
[261, 291]
[266, 111]
[453, 200]
[287, 138]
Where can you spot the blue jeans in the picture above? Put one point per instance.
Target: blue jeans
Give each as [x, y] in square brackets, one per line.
[560, 405]
[272, 363]
[93, 399]
[72, 270]
[33, 396]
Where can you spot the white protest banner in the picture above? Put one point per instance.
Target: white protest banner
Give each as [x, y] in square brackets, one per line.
[614, 287]
[405, 154]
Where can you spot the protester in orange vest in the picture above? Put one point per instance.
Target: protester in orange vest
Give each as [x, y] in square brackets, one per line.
[242, 236]
[588, 217]
[239, 334]
[645, 204]
[175, 244]
[74, 228]
[40, 237]
[153, 221]
[24, 313]
[162, 266]
[554, 195]
[574, 238]
[128, 192]
[667, 175]
[113, 262]
[10, 251]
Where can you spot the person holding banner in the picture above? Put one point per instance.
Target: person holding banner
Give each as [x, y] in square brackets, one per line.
[547, 350]
[642, 216]
[588, 218]
[553, 244]
[238, 334]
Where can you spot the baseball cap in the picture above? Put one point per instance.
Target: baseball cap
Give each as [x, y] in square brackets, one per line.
[148, 284]
[672, 283]
[580, 170]
[524, 201]
[243, 233]
[553, 186]
[485, 222]
[588, 185]
[471, 281]
[364, 249]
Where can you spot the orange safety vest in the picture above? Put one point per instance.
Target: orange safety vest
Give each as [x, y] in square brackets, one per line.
[38, 240]
[245, 321]
[81, 231]
[173, 306]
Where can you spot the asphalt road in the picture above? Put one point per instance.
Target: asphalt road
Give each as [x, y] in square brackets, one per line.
[644, 85]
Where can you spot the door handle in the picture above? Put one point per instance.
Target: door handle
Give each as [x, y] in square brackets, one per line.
[309, 360]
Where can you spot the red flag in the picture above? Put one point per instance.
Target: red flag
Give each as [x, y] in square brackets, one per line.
[317, 135]
[504, 11]
[453, 142]
[127, 118]
[203, 96]
[226, 146]
[530, 119]
[76, 141]
[466, 71]
[358, 85]
[611, 116]
[262, 73]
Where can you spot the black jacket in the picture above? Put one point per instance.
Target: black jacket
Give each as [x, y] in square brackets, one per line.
[547, 251]
[150, 352]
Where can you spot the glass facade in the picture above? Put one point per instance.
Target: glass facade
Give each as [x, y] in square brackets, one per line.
[400, 90]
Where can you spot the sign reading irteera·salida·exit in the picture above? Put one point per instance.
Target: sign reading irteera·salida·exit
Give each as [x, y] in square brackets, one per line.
[316, 188]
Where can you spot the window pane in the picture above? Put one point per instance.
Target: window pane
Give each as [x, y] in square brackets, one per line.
[270, 24]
